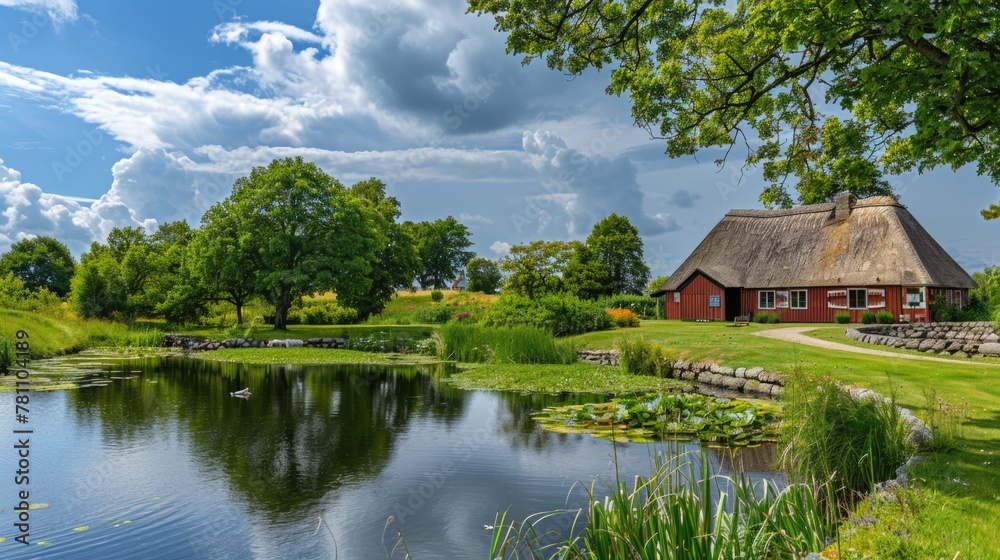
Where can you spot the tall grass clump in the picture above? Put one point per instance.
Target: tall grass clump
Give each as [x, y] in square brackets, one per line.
[830, 435]
[8, 355]
[945, 421]
[638, 356]
[517, 345]
[671, 516]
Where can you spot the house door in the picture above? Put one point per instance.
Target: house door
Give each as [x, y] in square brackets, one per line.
[732, 303]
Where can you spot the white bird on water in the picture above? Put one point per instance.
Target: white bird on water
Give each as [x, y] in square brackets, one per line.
[242, 393]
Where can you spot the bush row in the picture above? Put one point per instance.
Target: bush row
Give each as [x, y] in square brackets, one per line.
[560, 314]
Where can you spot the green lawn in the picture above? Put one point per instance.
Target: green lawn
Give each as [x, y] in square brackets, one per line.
[957, 496]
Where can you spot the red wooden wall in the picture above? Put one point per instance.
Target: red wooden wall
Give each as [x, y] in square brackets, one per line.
[695, 294]
[695, 298]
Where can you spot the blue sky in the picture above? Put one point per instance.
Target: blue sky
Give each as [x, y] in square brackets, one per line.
[137, 113]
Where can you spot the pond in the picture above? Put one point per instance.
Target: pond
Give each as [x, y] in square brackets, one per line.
[154, 458]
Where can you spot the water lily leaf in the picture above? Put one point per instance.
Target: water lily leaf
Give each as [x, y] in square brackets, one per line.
[43, 543]
[81, 529]
[38, 506]
[2, 539]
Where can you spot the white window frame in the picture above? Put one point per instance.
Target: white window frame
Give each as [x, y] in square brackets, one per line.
[677, 297]
[865, 290]
[760, 293]
[923, 298]
[804, 301]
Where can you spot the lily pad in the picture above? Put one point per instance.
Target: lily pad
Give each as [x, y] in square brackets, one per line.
[39, 506]
[43, 543]
[81, 528]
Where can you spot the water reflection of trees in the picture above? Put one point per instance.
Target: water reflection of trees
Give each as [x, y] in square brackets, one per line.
[306, 430]
[514, 418]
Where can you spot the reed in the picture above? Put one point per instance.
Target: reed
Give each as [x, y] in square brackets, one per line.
[672, 516]
[830, 435]
[515, 345]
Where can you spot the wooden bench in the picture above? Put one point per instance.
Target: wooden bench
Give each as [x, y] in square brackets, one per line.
[741, 321]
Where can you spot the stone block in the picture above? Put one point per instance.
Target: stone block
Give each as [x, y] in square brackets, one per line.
[926, 345]
[754, 372]
[740, 372]
[992, 337]
[727, 371]
[705, 377]
[751, 386]
[989, 349]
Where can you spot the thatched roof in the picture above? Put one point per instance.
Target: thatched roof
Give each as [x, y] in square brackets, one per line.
[871, 241]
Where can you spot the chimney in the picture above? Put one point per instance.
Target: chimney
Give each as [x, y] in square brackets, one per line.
[842, 210]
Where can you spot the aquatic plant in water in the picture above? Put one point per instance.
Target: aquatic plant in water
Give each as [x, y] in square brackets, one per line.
[711, 420]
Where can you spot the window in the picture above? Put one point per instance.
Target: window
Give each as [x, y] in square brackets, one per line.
[915, 298]
[677, 297]
[857, 299]
[798, 298]
[766, 299]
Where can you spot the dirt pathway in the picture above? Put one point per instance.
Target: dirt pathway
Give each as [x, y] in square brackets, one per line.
[795, 334]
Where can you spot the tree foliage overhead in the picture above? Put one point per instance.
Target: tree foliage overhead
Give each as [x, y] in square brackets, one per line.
[40, 262]
[829, 94]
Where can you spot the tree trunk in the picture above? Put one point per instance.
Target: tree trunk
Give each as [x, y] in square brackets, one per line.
[239, 314]
[282, 302]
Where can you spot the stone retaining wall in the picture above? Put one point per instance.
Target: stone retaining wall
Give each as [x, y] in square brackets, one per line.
[969, 338]
[200, 343]
[753, 382]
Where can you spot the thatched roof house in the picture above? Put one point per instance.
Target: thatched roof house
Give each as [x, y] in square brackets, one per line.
[808, 263]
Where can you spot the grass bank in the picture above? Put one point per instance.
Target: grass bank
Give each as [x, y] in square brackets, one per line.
[306, 356]
[957, 493]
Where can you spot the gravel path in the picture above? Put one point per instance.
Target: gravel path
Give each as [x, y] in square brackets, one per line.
[794, 334]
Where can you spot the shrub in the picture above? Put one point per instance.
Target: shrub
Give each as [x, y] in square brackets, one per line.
[641, 357]
[517, 345]
[830, 435]
[433, 315]
[643, 306]
[623, 317]
[326, 312]
[885, 318]
[562, 314]
[765, 317]
[867, 317]
[842, 317]
[437, 296]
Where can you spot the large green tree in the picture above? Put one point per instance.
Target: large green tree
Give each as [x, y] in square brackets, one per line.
[826, 96]
[41, 262]
[611, 261]
[305, 233]
[395, 261]
[483, 275]
[442, 250]
[218, 263]
[536, 269]
[132, 275]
